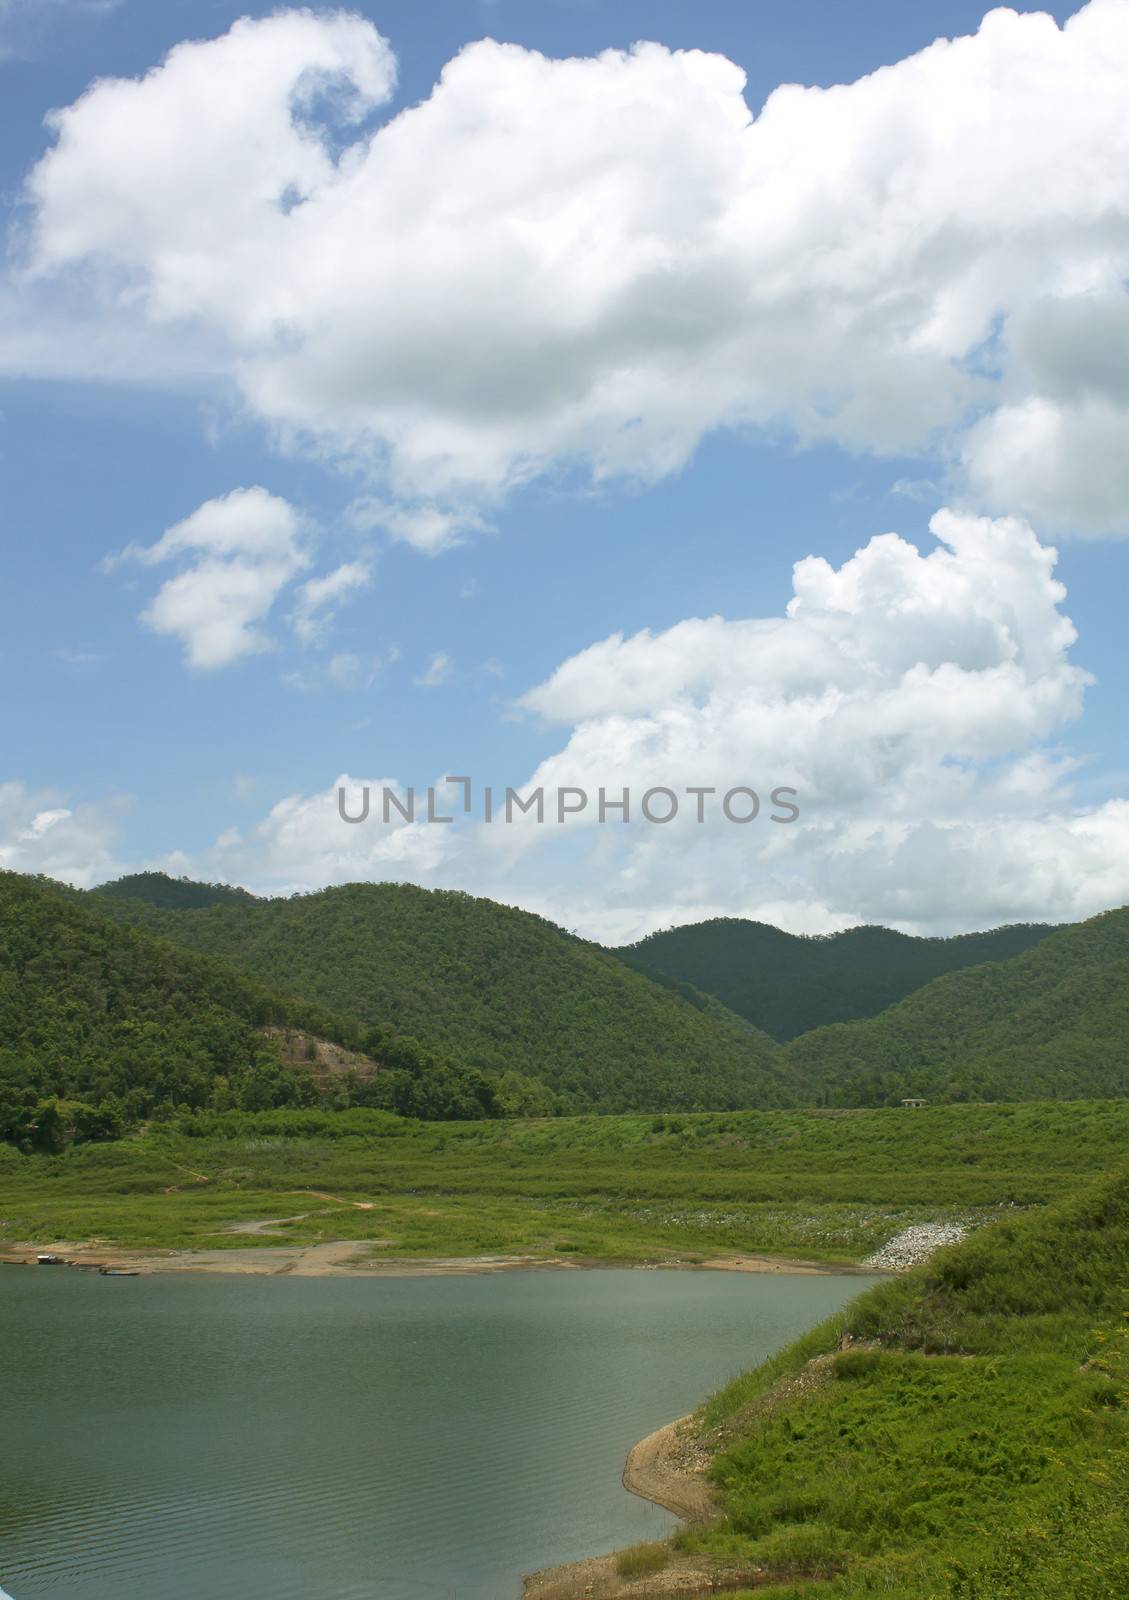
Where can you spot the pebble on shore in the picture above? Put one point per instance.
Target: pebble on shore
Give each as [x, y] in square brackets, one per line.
[914, 1245]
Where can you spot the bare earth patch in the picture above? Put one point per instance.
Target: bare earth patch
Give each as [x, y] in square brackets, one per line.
[353, 1257]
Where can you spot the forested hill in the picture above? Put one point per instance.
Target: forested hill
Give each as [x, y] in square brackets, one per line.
[174, 894]
[1052, 1023]
[507, 995]
[497, 987]
[787, 985]
[123, 1023]
[118, 1025]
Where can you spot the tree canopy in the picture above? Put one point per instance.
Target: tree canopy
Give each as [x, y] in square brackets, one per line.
[499, 988]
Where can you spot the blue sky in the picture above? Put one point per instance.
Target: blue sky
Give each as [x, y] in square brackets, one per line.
[131, 396]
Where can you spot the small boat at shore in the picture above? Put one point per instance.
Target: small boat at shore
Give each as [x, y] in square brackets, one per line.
[46, 1259]
[119, 1272]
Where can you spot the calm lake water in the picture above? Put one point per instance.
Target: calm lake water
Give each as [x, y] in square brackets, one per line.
[180, 1437]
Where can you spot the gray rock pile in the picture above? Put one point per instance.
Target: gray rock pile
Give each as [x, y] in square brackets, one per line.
[914, 1245]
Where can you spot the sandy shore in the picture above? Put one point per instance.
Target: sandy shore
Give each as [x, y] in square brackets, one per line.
[354, 1257]
[669, 1468]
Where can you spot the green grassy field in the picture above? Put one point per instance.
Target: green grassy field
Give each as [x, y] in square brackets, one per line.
[972, 1442]
[825, 1185]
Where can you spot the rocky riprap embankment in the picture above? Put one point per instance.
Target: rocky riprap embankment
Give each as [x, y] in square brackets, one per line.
[914, 1245]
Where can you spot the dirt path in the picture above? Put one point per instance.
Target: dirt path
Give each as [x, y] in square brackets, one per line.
[267, 1225]
[360, 1205]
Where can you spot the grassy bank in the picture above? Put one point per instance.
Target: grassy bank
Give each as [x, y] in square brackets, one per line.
[826, 1185]
[971, 1442]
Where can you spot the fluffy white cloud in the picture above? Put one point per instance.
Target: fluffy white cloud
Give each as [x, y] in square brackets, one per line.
[595, 261]
[244, 548]
[39, 832]
[192, 172]
[912, 701]
[302, 843]
[1067, 464]
[959, 653]
[908, 698]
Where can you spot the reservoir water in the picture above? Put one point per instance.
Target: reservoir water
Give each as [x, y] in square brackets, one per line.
[187, 1437]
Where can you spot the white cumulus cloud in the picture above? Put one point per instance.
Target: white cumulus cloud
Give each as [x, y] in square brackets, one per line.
[41, 833]
[302, 842]
[243, 549]
[596, 261]
[913, 700]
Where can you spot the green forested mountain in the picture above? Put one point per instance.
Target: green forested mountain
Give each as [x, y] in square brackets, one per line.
[174, 894]
[102, 1024]
[469, 1008]
[787, 985]
[499, 988]
[96, 1013]
[1052, 1023]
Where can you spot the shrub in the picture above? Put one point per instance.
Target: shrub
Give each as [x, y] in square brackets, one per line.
[642, 1560]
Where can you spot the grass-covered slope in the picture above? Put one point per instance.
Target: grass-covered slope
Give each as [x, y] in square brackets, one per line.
[1051, 1023]
[497, 987]
[102, 1025]
[835, 1185]
[961, 1432]
[788, 985]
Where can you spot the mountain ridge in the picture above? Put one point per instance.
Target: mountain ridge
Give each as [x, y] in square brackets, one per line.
[500, 988]
[103, 1025]
[788, 984]
[504, 990]
[1048, 1023]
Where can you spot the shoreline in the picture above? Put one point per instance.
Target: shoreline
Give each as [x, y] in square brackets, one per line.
[353, 1258]
[668, 1468]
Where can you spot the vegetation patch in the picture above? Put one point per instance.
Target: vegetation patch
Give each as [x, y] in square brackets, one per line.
[828, 1186]
[642, 1560]
[974, 1438]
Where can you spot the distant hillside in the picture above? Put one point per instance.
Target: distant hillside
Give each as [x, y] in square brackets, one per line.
[174, 894]
[787, 985]
[120, 1025]
[1053, 1023]
[102, 1015]
[496, 987]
